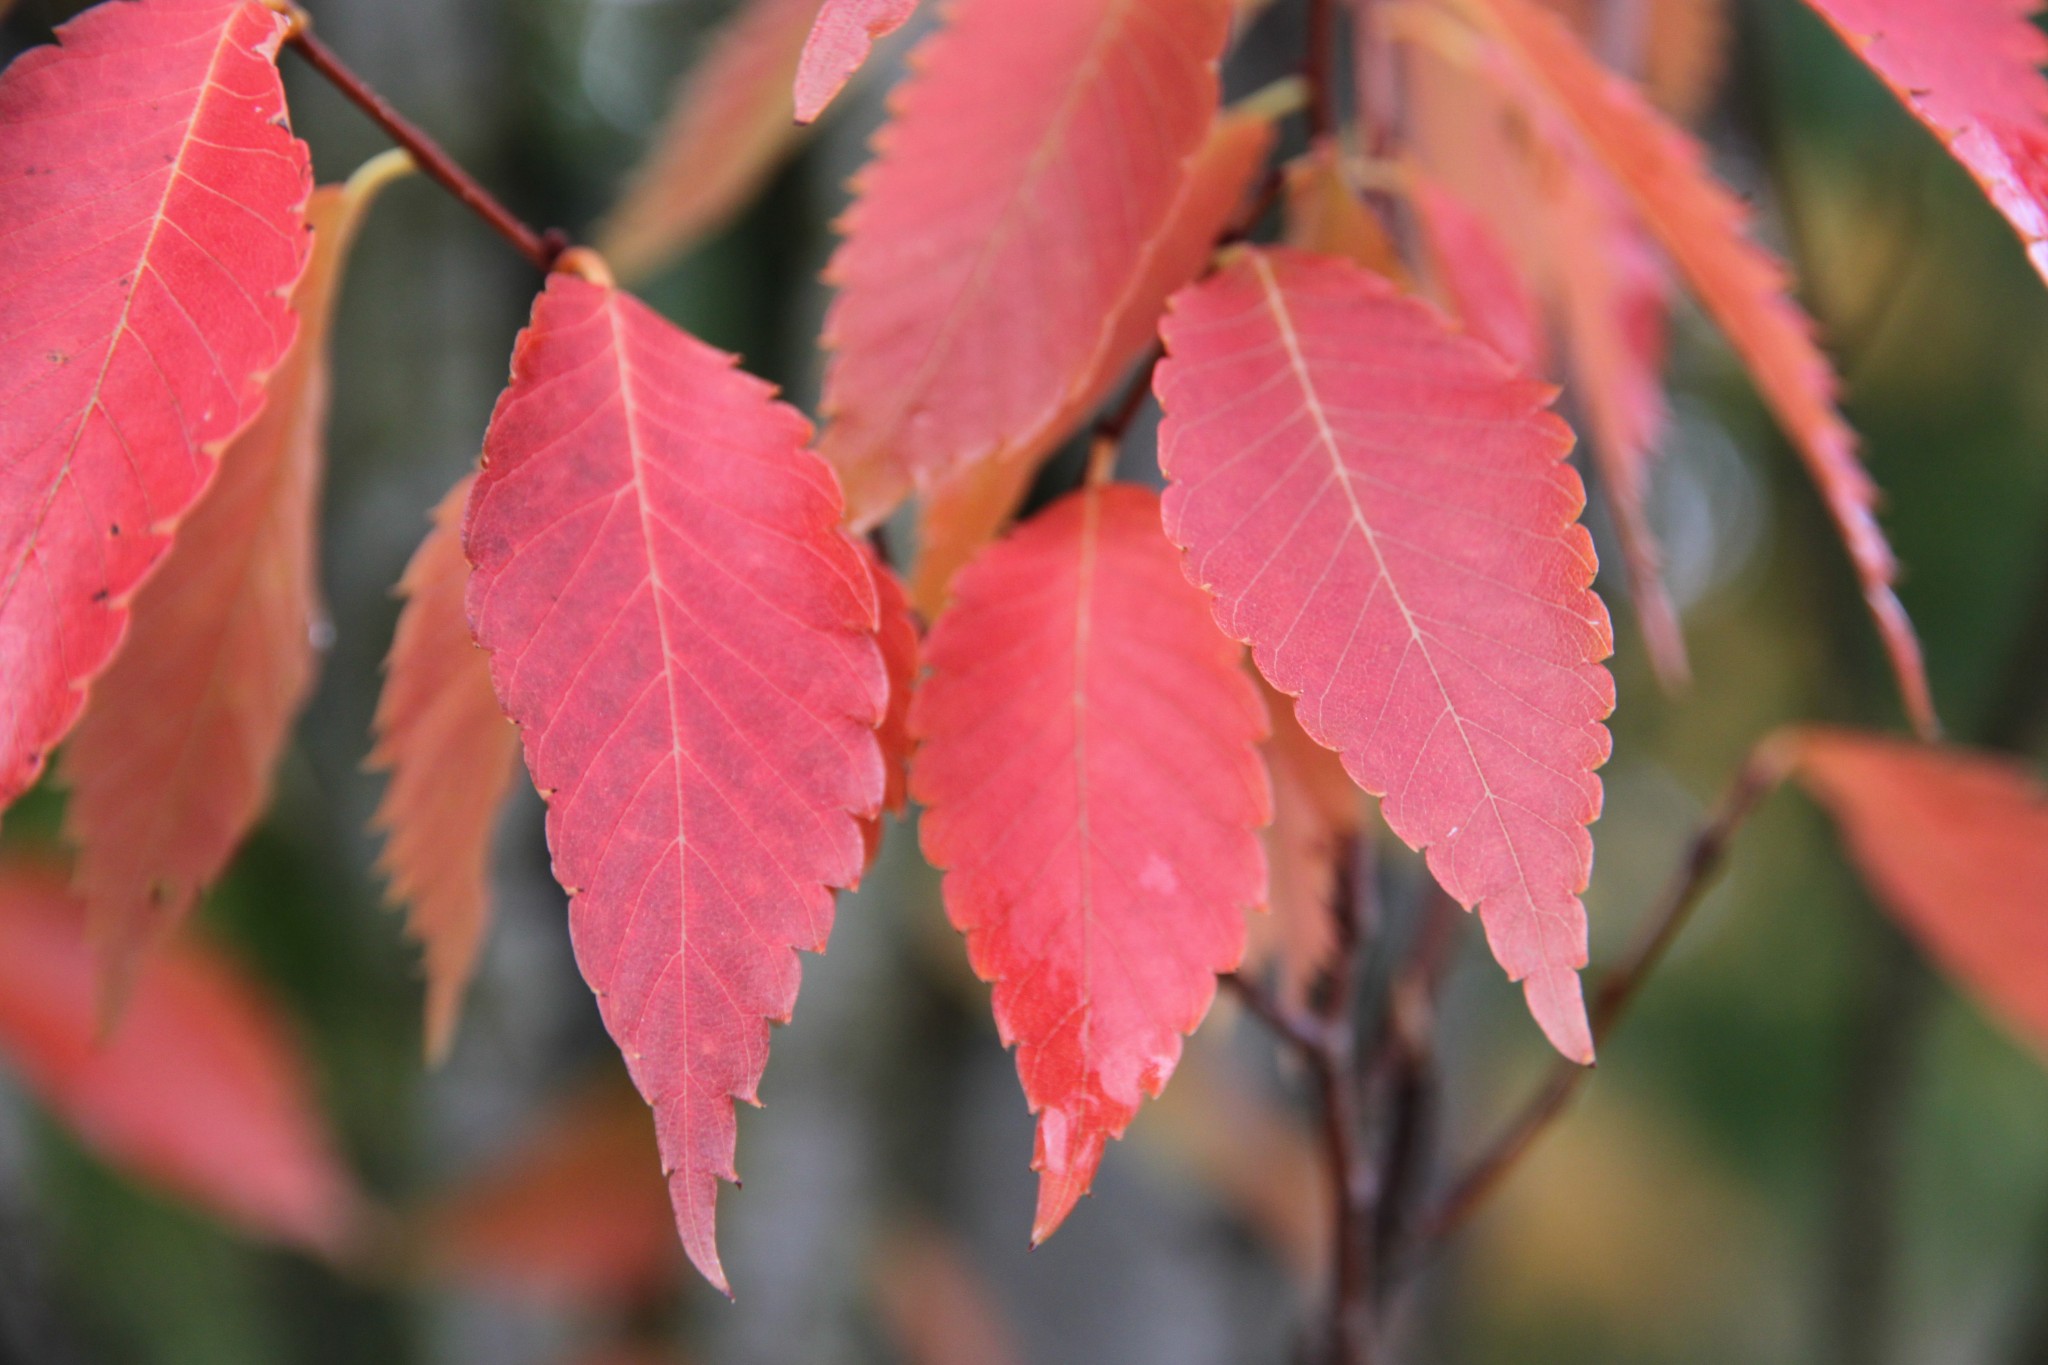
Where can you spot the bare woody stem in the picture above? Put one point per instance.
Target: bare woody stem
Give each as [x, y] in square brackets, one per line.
[1759, 774]
[541, 248]
[1318, 61]
[1324, 1039]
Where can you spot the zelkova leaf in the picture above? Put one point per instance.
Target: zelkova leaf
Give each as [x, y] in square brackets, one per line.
[201, 1094]
[1325, 214]
[1381, 508]
[687, 642]
[1475, 277]
[574, 1214]
[1971, 71]
[452, 757]
[150, 230]
[1955, 845]
[1742, 287]
[1008, 217]
[730, 124]
[1092, 785]
[966, 511]
[172, 762]
[838, 44]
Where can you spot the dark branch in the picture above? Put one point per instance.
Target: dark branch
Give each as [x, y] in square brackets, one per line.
[541, 248]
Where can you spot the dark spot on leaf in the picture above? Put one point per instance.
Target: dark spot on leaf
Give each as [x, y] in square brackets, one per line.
[100, 596]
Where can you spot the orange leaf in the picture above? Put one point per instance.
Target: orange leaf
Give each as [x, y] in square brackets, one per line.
[1091, 785]
[1742, 287]
[201, 1094]
[452, 757]
[730, 124]
[938, 1308]
[899, 644]
[963, 513]
[1325, 215]
[172, 763]
[574, 1214]
[1009, 217]
[1381, 508]
[1955, 845]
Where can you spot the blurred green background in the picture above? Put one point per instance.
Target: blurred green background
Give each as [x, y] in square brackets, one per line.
[1802, 1148]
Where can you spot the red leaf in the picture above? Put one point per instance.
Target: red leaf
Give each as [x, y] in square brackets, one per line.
[201, 1092]
[1955, 846]
[574, 1214]
[730, 124]
[1478, 281]
[1381, 508]
[171, 765]
[966, 511]
[899, 644]
[1971, 71]
[452, 757]
[150, 230]
[838, 44]
[1742, 287]
[1006, 221]
[687, 643]
[1089, 769]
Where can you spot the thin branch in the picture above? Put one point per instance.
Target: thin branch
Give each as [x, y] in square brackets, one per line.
[541, 248]
[1408, 1063]
[1758, 776]
[1318, 61]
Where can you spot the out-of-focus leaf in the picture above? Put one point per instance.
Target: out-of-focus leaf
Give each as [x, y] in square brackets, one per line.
[899, 643]
[1088, 765]
[575, 1213]
[1955, 845]
[201, 1092]
[730, 124]
[1477, 280]
[149, 232]
[171, 764]
[938, 1308]
[687, 642]
[1381, 508]
[1324, 214]
[1741, 286]
[452, 757]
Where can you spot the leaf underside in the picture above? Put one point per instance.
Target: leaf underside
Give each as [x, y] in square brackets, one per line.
[686, 641]
[1381, 508]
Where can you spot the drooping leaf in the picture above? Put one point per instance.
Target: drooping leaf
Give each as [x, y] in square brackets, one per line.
[838, 44]
[687, 643]
[1954, 844]
[1007, 220]
[1742, 287]
[1676, 48]
[1971, 71]
[171, 764]
[1317, 811]
[150, 230]
[1474, 276]
[1517, 171]
[966, 511]
[200, 1093]
[1087, 760]
[1381, 509]
[573, 1214]
[730, 124]
[452, 757]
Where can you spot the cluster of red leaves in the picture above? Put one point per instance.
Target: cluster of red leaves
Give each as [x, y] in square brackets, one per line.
[719, 690]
